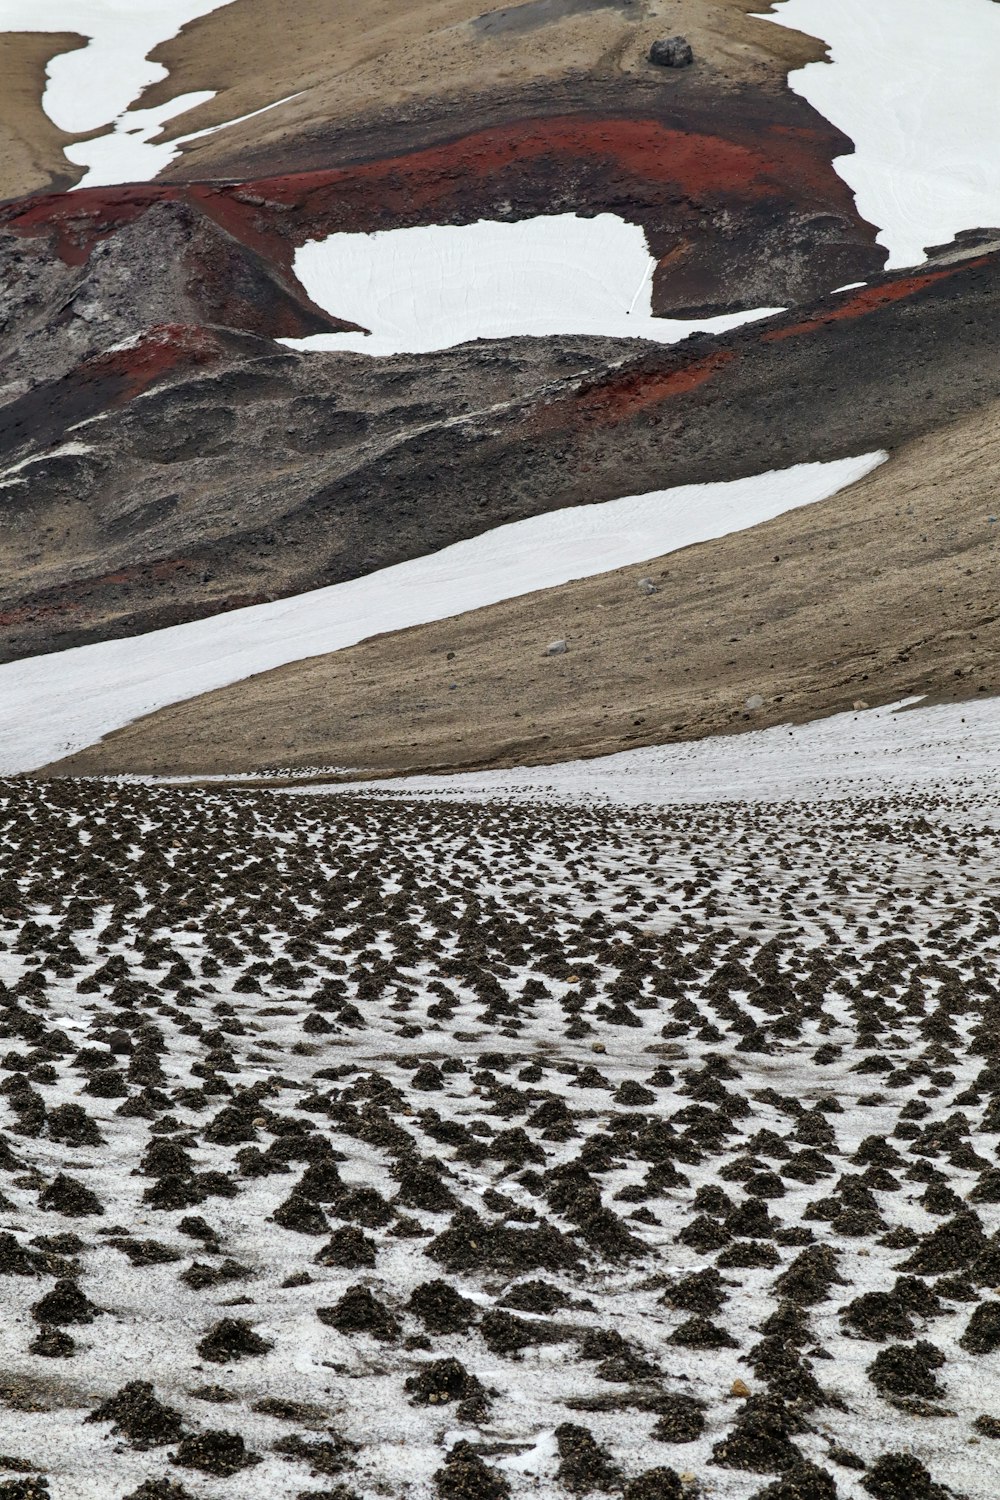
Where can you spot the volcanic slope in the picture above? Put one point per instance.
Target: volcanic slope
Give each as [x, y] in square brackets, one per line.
[349, 72]
[345, 464]
[885, 590]
[137, 405]
[482, 1150]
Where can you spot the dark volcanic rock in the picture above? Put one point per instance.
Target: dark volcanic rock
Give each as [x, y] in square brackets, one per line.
[672, 52]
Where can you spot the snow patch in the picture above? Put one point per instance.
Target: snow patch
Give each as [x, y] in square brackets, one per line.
[51, 706]
[435, 286]
[15, 474]
[94, 86]
[914, 84]
[872, 753]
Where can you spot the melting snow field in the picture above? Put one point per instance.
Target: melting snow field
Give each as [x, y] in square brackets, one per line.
[875, 752]
[53, 705]
[95, 85]
[914, 83]
[440, 1151]
[429, 288]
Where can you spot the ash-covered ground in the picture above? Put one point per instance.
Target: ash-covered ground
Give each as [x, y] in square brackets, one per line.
[354, 1147]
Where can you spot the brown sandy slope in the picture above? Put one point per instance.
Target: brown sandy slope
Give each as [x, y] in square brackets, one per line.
[31, 148]
[352, 59]
[885, 590]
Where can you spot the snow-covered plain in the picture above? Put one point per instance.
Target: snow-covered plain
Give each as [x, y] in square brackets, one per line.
[536, 1128]
[53, 705]
[914, 83]
[435, 286]
[900, 748]
[95, 85]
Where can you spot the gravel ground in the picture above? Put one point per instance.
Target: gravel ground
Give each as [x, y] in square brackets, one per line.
[354, 1146]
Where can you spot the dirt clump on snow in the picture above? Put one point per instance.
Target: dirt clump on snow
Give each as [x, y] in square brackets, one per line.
[901, 1476]
[215, 1452]
[360, 1311]
[464, 1476]
[135, 1412]
[231, 1339]
[907, 1370]
[583, 1464]
[441, 1308]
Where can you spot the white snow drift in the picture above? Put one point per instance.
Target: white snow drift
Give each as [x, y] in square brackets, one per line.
[53, 705]
[898, 749]
[914, 83]
[431, 287]
[95, 85]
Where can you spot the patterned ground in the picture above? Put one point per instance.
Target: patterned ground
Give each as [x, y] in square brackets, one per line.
[359, 1147]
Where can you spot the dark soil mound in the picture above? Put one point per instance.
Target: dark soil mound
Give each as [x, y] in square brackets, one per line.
[806, 1482]
[681, 1419]
[584, 1465]
[349, 1247]
[906, 1370]
[950, 1247]
[779, 1362]
[702, 1292]
[364, 1206]
[64, 1304]
[620, 1360]
[229, 1339]
[53, 1343]
[900, 1476]
[810, 1276]
[34, 1488]
[464, 1476]
[160, 1489]
[298, 1213]
[445, 1380]
[441, 1309]
[138, 1415]
[759, 1440]
[321, 1182]
[982, 1334]
[702, 1333]
[199, 1275]
[72, 1126]
[326, 1456]
[358, 1311]
[215, 1452]
[505, 1334]
[535, 1297]
[15, 1259]
[655, 1484]
[422, 1187]
[147, 1252]
[878, 1316]
[64, 1195]
[470, 1242]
